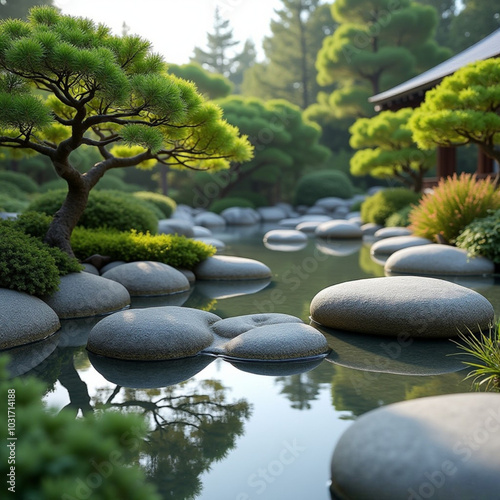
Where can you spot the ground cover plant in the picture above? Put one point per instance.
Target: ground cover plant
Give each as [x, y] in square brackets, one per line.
[379, 207]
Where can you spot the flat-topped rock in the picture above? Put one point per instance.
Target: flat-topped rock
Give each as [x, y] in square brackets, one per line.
[180, 226]
[232, 327]
[209, 219]
[231, 268]
[284, 236]
[390, 232]
[239, 216]
[24, 319]
[155, 333]
[84, 294]
[339, 229]
[308, 227]
[276, 342]
[210, 240]
[143, 278]
[437, 260]
[412, 306]
[388, 246]
[330, 203]
[272, 214]
[370, 228]
[441, 447]
[201, 232]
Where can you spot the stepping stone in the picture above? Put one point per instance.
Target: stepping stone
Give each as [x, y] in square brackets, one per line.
[439, 260]
[83, 294]
[201, 232]
[285, 236]
[271, 214]
[239, 216]
[441, 447]
[24, 319]
[402, 306]
[331, 203]
[147, 278]
[155, 333]
[209, 219]
[390, 232]
[228, 267]
[370, 229]
[339, 229]
[178, 226]
[111, 265]
[388, 246]
[308, 227]
[215, 242]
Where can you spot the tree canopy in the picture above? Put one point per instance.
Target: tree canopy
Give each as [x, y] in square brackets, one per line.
[463, 109]
[387, 150]
[66, 82]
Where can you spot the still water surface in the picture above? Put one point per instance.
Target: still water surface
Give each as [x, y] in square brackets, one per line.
[228, 433]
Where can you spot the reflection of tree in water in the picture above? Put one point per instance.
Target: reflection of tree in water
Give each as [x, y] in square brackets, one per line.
[192, 426]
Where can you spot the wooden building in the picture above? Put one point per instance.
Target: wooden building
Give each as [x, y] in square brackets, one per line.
[412, 93]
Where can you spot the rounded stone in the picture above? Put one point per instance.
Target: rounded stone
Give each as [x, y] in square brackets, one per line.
[437, 260]
[441, 447]
[24, 319]
[277, 342]
[201, 232]
[178, 226]
[339, 248]
[209, 219]
[209, 240]
[331, 203]
[316, 210]
[89, 268]
[390, 232]
[155, 333]
[111, 265]
[231, 268]
[285, 247]
[308, 227]
[388, 246]
[83, 294]
[239, 216]
[410, 306]
[284, 236]
[148, 278]
[339, 229]
[232, 327]
[369, 229]
[271, 214]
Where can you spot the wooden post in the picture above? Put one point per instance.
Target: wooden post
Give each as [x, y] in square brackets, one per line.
[446, 161]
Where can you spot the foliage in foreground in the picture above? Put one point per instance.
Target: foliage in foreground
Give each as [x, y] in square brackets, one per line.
[176, 251]
[379, 207]
[485, 349]
[58, 456]
[482, 237]
[454, 204]
[322, 184]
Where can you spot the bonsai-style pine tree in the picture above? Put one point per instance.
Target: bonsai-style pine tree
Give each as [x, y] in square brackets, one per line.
[463, 109]
[387, 149]
[66, 82]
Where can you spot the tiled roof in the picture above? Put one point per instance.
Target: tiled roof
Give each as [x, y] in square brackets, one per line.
[488, 47]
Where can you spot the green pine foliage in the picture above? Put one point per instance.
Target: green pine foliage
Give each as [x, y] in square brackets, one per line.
[58, 456]
[322, 184]
[176, 251]
[379, 207]
[482, 237]
[401, 218]
[110, 209]
[165, 204]
[454, 204]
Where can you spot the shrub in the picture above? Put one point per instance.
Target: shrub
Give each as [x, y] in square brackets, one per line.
[219, 205]
[322, 184]
[12, 191]
[401, 218]
[53, 185]
[8, 204]
[482, 237]
[455, 203]
[164, 203]
[22, 181]
[176, 251]
[110, 209]
[58, 454]
[33, 224]
[379, 207]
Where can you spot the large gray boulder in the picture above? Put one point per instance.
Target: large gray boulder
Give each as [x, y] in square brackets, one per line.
[84, 294]
[155, 333]
[148, 278]
[339, 229]
[284, 236]
[209, 219]
[437, 260]
[271, 214]
[239, 216]
[408, 306]
[231, 268]
[388, 246]
[441, 447]
[24, 319]
[180, 226]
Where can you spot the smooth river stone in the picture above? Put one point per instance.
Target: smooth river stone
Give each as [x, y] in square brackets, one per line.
[441, 447]
[390, 232]
[412, 306]
[284, 236]
[231, 268]
[148, 278]
[439, 260]
[276, 342]
[339, 229]
[24, 319]
[155, 333]
[240, 216]
[388, 246]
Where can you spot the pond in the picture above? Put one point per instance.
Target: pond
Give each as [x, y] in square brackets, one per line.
[241, 431]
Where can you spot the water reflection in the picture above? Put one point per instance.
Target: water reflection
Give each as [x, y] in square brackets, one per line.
[285, 247]
[228, 289]
[339, 248]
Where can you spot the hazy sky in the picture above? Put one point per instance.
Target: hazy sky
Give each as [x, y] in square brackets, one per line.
[175, 27]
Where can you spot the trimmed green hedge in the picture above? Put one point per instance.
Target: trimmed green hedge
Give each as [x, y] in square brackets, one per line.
[110, 209]
[176, 251]
[322, 184]
[21, 181]
[400, 218]
[379, 207]
[166, 205]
